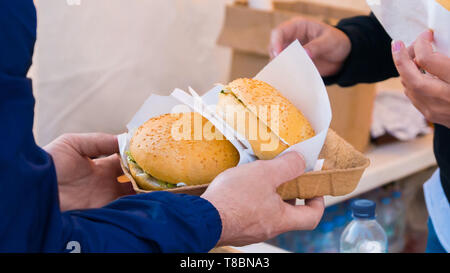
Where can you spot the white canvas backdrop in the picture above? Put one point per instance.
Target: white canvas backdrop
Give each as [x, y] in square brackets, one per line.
[98, 61]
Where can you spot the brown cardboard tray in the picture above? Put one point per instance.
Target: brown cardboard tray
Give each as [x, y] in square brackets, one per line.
[342, 170]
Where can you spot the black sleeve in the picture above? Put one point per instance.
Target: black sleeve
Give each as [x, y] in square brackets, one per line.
[370, 59]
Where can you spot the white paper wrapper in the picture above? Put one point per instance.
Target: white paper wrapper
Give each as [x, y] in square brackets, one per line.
[292, 73]
[405, 20]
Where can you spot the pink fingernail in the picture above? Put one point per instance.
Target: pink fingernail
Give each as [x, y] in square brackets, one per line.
[274, 53]
[430, 35]
[396, 46]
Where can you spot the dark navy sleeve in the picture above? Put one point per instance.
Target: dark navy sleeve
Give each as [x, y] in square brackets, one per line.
[154, 222]
[29, 206]
[371, 58]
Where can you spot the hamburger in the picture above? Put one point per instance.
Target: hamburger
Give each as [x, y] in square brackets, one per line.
[258, 111]
[172, 150]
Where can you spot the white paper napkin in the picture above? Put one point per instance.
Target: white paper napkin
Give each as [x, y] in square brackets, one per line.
[405, 20]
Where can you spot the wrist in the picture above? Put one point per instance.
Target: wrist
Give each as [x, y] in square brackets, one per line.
[226, 232]
[345, 47]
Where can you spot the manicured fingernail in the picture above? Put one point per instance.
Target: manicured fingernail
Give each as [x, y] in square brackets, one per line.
[396, 46]
[430, 34]
[274, 53]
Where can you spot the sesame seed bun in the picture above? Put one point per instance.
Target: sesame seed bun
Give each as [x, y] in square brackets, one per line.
[252, 97]
[173, 148]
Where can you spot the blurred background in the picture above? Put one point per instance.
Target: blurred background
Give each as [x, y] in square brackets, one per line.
[97, 61]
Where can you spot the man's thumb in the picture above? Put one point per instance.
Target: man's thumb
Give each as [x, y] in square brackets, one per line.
[94, 144]
[286, 167]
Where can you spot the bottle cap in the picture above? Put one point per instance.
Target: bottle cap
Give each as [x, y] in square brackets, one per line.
[363, 208]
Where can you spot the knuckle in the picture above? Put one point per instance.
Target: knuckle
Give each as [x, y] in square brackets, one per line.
[275, 33]
[267, 234]
[421, 60]
[399, 62]
[429, 115]
[297, 19]
[405, 85]
[293, 168]
[260, 165]
[300, 22]
[408, 92]
[433, 117]
[67, 137]
[286, 24]
[223, 175]
[417, 84]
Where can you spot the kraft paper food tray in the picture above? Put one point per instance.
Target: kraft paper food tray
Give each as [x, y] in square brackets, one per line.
[343, 168]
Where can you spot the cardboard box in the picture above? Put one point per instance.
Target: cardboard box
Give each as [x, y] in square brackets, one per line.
[342, 170]
[352, 113]
[330, 9]
[247, 31]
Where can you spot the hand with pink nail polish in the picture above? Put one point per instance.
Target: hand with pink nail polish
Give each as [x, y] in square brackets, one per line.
[327, 46]
[429, 92]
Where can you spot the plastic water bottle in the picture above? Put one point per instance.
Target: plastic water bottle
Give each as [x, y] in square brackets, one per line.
[387, 218]
[339, 224]
[363, 234]
[348, 215]
[326, 241]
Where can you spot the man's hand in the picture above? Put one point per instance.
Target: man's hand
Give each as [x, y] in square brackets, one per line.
[83, 181]
[430, 93]
[327, 46]
[249, 206]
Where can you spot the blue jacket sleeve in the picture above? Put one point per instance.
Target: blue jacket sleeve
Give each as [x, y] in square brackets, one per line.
[29, 206]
